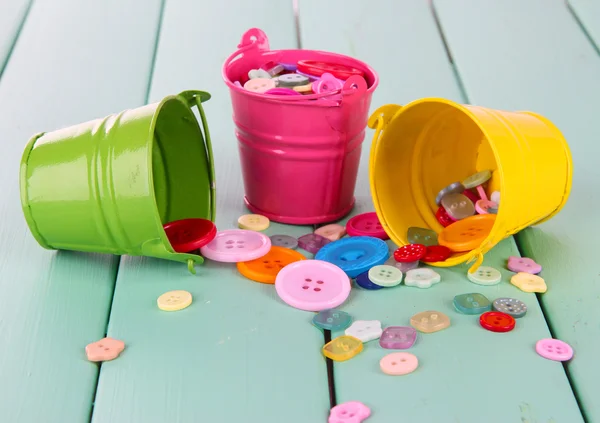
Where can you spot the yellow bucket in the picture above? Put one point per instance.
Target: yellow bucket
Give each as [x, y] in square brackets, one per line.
[422, 147]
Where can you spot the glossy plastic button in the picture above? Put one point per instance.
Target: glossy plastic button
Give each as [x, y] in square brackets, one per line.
[484, 206]
[467, 234]
[398, 338]
[235, 245]
[436, 253]
[365, 330]
[477, 179]
[332, 320]
[282, 91]
[258, 73]
[364, 282]
[187, 235]
[355, 255]
[174, 300]
[349, 412]
[472, 303]
[327, 84]
[410, 253]
[265, 269]
[284, 241]
[523, 264]
[304, 89]
[430, 321]
[398, 364]
[253, 222]
[318, 68]
[495, 197]
[342, 348]
[292, 80]
[312, 242]
[527, 282]
[422, 278]
[423, 236]
[453, 188]
[105, 349]
[259, 85]
[403, 267]
[485, 275]
[386, 276]
[366, 224]
[312, 285]
[458, 206]
[443, 218]
[332, 232]
[495, 321]
[510, 306]
[554, 349]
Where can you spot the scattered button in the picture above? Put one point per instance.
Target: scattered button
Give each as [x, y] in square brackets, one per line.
[349, 412]
[472, 303]
[430, 321]
[312, 285]
[453, 188]
[365, 330]
[174, 300]
[366, 224]
[318, 68]
[332, 320]
[398, 338]
[342, 348]
[303, 88]
[259, 85]
[527, 282]
[285, 241]
[485, 275]
[364, 282]
[398, 364]
[355, 255]
[258, 73]
[105, 349]
[523, 264]
[410, 253]
[477, 179]
[312, 242]
[436, 253]
[187, 235]
[422, 278]
[510, 306]
[332, 232]
[292, 80]
[467, 234]
[443, 217]
[235, 245]
[458, 206]
[423, 236]
[253, 222]
[496, 321]
[495, 197]
[386, 276]
[554, 349]
[265, 269]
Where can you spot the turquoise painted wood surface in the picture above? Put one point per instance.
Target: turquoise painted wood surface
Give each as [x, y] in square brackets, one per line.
[52, 304]
[588, 14]
[12, 16]
[549, 67]
[417, 69]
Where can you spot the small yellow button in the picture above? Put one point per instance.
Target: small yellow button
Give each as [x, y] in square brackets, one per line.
[342, 348]
[253, 222]
[174, 300]
[430, 321]
[527, 282]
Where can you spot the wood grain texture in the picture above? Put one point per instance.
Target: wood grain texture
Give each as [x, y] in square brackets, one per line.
[532, 55]
[588, 14]
[62, 72]
[237, 353]
[458, 362]
[12, 16]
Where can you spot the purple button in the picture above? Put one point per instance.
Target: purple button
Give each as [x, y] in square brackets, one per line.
[398, 337]
[312, 242]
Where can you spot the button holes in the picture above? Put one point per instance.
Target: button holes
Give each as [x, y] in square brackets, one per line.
[394, 363]
[351, 415]
[106, 349]
[434, 316]
[240, 242]
[240, 246]
[308, 280]
[269, 267]
[229, 246]
[266, 261]
[277, 261]
[229, 242]
[403, 360]
[319, 282]
[317, 289]
[305, 287]
[100, 345]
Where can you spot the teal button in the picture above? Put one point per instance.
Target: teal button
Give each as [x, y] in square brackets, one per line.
[472, 303]
[332, 320]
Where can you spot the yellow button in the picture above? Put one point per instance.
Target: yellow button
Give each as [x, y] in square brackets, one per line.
[527, 282]
[265, 269]
[253, 222]
[342, 348]
[467, 234]
[430, 321]
[303, 88]
[174, 300]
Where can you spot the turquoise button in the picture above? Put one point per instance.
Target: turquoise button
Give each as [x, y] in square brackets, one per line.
[472, 303]
[332, 320]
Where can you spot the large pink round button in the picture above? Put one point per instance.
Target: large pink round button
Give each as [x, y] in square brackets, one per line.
[236, 245]
[312, 285]
[366, 224]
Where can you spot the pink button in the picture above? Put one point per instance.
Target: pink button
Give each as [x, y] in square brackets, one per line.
[259, 85]
[366, 224]
[554, 349]
[398, 364]
[523, 264]
[327, 84]
[236, 245]
[312, 285]
[482, 206]
[349, 412]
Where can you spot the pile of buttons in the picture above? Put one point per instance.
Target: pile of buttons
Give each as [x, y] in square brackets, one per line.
[305, 77]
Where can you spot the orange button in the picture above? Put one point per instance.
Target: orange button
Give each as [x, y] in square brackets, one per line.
[467, 234]
[266, 268]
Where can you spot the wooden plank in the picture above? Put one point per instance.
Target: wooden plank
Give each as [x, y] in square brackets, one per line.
[66, 68]
[463, 368]
[587, 12]
[552, 70]
[238, 353]
[12, 16]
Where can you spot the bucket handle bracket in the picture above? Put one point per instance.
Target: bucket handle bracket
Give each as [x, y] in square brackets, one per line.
[253, 39]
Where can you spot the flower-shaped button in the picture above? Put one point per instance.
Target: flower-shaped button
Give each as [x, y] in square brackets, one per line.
[453, 188]
[472, 303]
[284, 241]
[332, 320]
[554, 349]
[523, 264]
[364, 282]
[421, 236]
[422, 278]
[436, 253]
[235, 245]
[386, 276]
[398, 364]
[355, 255]
[458, 206]
[258, 73]
[292, 80]
[253, 222]
[527, 282]
[259, 85]
[105, 349]
[398, 337]
[312, 285]
[467, 234]
[342, 348]
[496, 321]
[332, 232]
[366, 224]
[430, 321]
[187, 235]
[174, 300]
[410, 253]
[510, 306]
[485, 275]
[265, 269]
[349, 412]
[312, 242]
[365, 330]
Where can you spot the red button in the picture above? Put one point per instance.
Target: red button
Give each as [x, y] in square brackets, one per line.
[497, 322]
[312, 67]
[410, 253]
[442, 216]
[189, 234]
[436, 253]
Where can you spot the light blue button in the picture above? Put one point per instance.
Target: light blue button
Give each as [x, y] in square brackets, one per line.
[332, 320]
[355, 255]
[472, 303]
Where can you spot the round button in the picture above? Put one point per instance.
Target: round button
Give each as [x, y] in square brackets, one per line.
[366, 224]
[349, 412]
[235, 245]
[422, 236]
[284, 241]
[398, 364]
[483, 206]
[453, 188]
[312, 285]
[477, 179]
[496, 321]
[495, 197]
[458, 206]
[253, 222]
[318, 68]
[292, 80]
[259, 85]
[443, 217]
[386, 276]
[410, 253]
[355, 255]
[187, 235]
[436, 253]
[467, 234]
[554, 349]
[364, 282]
[510, 306]
[332, 320]
[265, 269]
[485, 275]
[174, 300]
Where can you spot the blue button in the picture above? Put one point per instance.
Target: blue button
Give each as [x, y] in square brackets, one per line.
[332, 320]
[355, 255]
[363, 281]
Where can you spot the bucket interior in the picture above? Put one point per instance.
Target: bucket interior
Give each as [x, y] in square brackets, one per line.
[180, 168]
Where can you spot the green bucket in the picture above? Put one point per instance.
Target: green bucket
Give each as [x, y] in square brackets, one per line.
[109, 185]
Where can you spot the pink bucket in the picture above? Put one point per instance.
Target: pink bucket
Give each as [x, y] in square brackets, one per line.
[299, 153]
